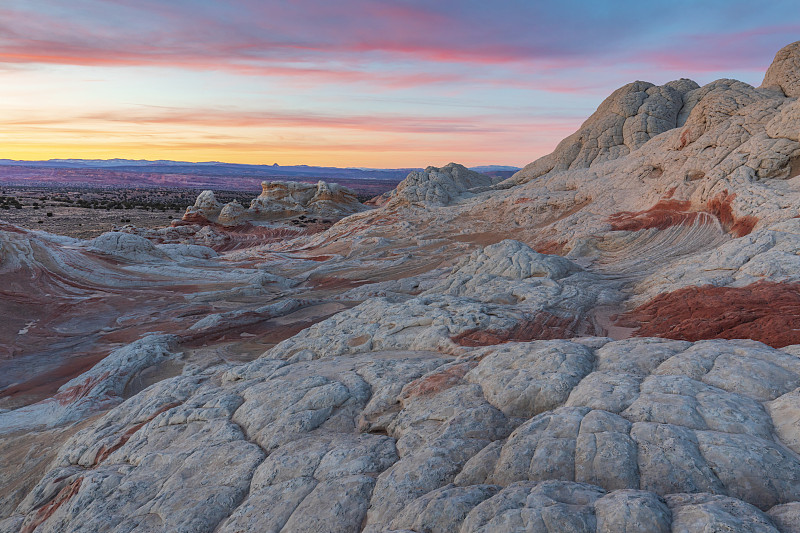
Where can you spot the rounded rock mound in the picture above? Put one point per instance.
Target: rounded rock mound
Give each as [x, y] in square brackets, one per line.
[784, 72]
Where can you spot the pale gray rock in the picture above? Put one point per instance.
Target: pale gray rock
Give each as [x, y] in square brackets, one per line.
[744, 367]
[496, 289]
[679, 400]
[243, 317]
[440, 428]
[187, 252]
[557, 446]
[334, 471]
[551, 506]
[632, 511]
[525, 379]
[126, 246]
[682, 469]
[607, 391]
[422, 323]
[278, 411]
[786, 418]
[387, 377]
[438, 186]
[232, 214]
[625, 121]
[741, 461]
[481, 465]
[705, 512]
[783, 74]
[605, 455]
[434, 440]
[165, 483]
[784, 124]
[205, 208]
[516, 260]
[786, 517]
[439, 510]
[278, 200]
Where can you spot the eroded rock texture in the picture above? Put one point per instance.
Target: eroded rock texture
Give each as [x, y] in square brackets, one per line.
[278, 200]
[605, 342]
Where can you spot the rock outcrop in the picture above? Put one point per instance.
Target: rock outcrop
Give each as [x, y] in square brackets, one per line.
[279, 200]
[205, 208]
[606, 341]
[625, 121]
[439, 186]
[784, 73]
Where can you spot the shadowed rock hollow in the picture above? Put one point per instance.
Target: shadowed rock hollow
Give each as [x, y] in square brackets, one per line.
[430, 365]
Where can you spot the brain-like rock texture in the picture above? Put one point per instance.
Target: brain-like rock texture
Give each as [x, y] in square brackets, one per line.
[595, 435]
[439, 186]
[605, 342]
[625, 121]
[784, 73]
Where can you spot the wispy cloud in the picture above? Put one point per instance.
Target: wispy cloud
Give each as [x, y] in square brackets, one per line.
[381, 75]
[344, 41]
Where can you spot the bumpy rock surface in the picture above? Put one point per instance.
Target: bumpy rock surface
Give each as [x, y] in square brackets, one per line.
[607, 341]
[439, 186]
[784, 72]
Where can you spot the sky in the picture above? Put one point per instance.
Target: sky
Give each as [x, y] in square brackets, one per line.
[389, 84]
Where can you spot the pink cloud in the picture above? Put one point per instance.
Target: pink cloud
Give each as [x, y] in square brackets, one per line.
[750, 49]
[387, 123]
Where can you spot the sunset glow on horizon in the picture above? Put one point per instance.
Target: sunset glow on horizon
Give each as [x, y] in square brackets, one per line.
[350, 83]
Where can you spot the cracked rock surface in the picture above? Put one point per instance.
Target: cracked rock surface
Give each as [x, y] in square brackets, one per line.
[607, 341]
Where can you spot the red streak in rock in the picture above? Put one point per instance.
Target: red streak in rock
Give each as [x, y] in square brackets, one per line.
[684, 138]
[720, 206]
[543, 326]
[550, 247]
[435, 383]
[103, 452]
[191, 218]
[765, 311]
[664, 214]
[48, 510]
[667, 213]
[333, 282]
[79, 391]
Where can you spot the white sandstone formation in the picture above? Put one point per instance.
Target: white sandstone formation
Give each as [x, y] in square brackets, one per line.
[607, 341]
[205, 207]
[439, 186]
[279, 200]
